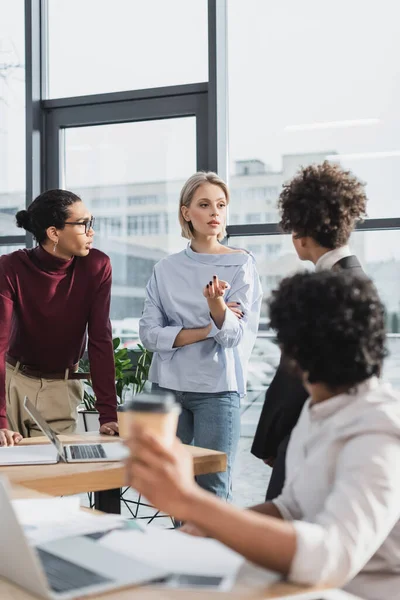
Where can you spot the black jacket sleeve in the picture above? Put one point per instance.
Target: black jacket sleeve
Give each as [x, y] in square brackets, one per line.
[285, 397]
[284, 400]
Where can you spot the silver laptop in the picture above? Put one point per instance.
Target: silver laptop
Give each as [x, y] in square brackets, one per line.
[109, 452]
[64, 568]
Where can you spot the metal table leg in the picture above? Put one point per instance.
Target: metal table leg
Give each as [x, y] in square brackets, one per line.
[108, 501]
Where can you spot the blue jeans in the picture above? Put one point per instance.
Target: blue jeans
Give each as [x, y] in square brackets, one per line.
[212, 421]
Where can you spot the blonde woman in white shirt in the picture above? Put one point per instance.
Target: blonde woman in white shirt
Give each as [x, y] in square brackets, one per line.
[336, 522]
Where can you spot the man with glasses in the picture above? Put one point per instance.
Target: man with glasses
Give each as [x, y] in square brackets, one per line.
[50, 296]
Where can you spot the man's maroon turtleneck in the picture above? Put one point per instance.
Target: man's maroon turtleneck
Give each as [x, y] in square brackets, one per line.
[46, 305]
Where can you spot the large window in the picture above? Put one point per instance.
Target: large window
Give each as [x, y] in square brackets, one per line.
[130, 176]
[313, 97]
[315, 81]
[99, 47]
[12, 114]
[308, 82]
[379, 252]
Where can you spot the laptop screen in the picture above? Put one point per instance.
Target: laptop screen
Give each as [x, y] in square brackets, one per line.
[44, 426]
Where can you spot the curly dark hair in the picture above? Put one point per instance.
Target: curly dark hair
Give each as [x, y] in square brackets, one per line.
[47, 210]
[332, 325]
[323, 202]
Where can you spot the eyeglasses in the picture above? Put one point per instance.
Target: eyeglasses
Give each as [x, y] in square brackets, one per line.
[87, 224]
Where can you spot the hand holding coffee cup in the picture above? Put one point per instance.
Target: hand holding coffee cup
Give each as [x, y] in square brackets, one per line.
[154, 413]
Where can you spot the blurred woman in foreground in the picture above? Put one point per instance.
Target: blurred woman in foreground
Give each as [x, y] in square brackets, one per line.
[336, 522]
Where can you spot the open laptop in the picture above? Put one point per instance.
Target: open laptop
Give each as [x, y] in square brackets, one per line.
[112, 451]
[45, 454]
[64, 568]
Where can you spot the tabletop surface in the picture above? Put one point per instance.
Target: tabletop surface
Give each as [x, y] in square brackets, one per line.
[76, 478]
[41, 480]
[253, 583]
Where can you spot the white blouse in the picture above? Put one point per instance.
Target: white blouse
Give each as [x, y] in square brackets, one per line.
[174, 300]
[342, 492]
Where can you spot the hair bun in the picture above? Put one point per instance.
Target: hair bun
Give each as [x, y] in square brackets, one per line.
[23, 219]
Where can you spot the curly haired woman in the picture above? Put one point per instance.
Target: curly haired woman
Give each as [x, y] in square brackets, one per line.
[336, 522]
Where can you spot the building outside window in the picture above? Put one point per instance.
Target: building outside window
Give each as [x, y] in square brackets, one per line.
[140, 200]
[105, 202]
[109, 226]
[147, 224]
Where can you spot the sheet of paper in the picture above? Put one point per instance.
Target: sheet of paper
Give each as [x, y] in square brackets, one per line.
[42, 510]
[176, 552]
[49, 519]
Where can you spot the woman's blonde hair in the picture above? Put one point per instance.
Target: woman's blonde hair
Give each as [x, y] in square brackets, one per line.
[187, 193]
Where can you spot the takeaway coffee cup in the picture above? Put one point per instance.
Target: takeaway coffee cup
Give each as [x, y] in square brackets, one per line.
[158, 414]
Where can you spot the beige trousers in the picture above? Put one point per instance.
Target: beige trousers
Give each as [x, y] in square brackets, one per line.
[57, 400]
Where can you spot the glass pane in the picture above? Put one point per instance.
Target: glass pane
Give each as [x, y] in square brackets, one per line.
[130, 176]
[9, 249]
[125, 45]
[12, 114]
[379, 253]
[312, 97]
[276, 258]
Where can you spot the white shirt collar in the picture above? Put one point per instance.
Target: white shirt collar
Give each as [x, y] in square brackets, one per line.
[327, 260]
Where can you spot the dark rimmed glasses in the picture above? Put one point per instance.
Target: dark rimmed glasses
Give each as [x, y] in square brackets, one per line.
[87, 224]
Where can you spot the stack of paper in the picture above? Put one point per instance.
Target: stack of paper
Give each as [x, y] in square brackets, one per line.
[49, 519]
[177, 552]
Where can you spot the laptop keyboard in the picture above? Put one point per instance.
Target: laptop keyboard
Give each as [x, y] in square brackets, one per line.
[63, 575]
[87, 451]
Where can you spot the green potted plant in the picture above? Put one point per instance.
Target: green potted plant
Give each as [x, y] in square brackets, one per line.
[131, 374]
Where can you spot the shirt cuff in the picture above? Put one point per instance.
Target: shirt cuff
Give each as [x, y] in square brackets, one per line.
[229, 327]
[108, 416]
[3, 423]
[214, 330]
[166, 338]
[310, 561]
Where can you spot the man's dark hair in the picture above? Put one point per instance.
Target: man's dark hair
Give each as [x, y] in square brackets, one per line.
[332, 325]
[47, 210]
[323, 202]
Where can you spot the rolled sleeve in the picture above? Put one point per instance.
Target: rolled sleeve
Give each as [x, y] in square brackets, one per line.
[312, 563]
[231, 331]
[357, 516]
[166, 338]
[155, 333]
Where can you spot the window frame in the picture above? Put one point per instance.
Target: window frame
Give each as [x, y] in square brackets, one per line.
[45, 119]
[121, 107]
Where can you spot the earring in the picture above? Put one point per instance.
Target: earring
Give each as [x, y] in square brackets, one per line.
[55, 246]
